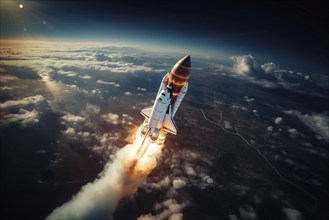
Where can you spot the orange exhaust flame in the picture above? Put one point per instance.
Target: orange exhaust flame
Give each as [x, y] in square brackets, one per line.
[141, 167]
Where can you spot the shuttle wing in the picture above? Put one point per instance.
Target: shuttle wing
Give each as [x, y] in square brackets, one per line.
[168, 123]
[146, 112]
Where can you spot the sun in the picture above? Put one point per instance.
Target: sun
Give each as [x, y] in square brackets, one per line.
[21, 6]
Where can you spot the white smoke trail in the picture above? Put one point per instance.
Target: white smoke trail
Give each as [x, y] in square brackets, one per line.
[99, 199]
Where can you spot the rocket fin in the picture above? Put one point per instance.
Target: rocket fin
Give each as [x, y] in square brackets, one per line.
[168, 123]
[146, 112]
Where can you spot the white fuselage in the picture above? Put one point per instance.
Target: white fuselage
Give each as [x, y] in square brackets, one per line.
[180, 96]
[159, 109]
[159, 118]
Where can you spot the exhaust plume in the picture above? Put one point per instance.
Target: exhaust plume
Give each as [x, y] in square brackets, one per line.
[98, 200]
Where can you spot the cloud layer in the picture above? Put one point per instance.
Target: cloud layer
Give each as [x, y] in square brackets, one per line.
[317, 122]
[269, 74]
[98, 92]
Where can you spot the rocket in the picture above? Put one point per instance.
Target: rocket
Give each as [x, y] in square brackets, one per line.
[159, 117]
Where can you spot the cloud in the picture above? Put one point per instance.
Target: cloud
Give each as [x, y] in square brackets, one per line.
[182, 162]
[101, 57]
[246, 64]
[85, 135]
[7, 78]
[292, 131]
[22, 102]
[264, 83]
[108, 137]
[269, 67]
[162, 184]
[233, 217]
[6, 88]
[176, 216]
[247, 99]
[67, 73]
[291, 162]
[69, 61]
[317, 122]
[292, 214]
[208, 179]
[141, 89]
[185, 170]
[93, 109]
[278, 120]
[147, 217]
[127, 93]
[170, 210]
[95, 91]
[105, 82]
[268, 75]
[73, 118]
[178, 183]
[247, 212]
[108, 83]
[115, 119]
[189, 170]
[70, 132]
[79, 129]
[24, 118]
[321, 80]
[126, 119]
[106, 147]
[88, 132]
[85, 77]
[111, 118]
[124, 68]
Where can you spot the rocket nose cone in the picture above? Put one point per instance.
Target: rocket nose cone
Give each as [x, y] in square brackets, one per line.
[186, 61]
[180, 72]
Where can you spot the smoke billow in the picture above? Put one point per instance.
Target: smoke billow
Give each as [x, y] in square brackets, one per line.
[120, 178]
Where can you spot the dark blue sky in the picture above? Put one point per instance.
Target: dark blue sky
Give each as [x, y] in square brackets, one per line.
[292, 33]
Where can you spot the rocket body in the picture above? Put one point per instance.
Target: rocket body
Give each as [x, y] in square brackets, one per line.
[159, 117]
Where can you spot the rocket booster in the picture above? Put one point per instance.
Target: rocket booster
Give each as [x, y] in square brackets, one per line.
[159, 117]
